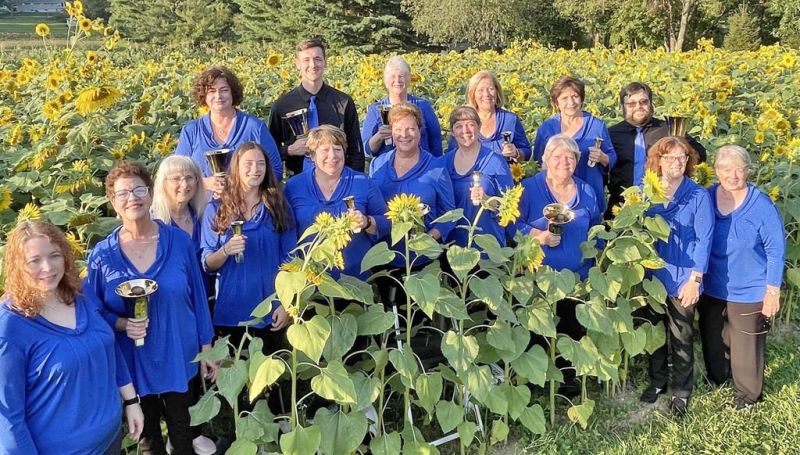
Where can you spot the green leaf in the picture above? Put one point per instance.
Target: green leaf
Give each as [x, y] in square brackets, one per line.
[460, 351]
[429, 390]
[335, 384]
[242, 447]
[499, 432]
[625, 249]
[205, 409]
[608, 284]
[632, 274]
[583, 354]
[449, 415]
[580, 414]
[478, 380]
[489, 245]
[539, 319]
[466, 431]
[343, 334]
[249, 429]
[793, 276]
[405, 363]
[301, 441]
[231, 380]
[263, 419]
[256, 356]
[378, 255]
[374, 321]
[634, 341]
[510, 342]
[399, 230]
[348, 288]
[533, 419]
[532, 365]
[310, 337]
[341, 433]
[288, 285]
[490, 291]
[518, 399]
[367, 390]
[424, 290]
[386, 444]
[657, 293]
[555, 284]
[450, 216]
[521, 288]
[656, 337]
[462, 260]
[658, 227]
[497, 399]
[220, 351]
[425, 245]
[451, 306]
[268, 372]
[594, 316]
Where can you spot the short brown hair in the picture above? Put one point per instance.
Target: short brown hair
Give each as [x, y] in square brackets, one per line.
[308, 43]
[472, 85]
[127, 169]
[664, 146]
[563, 83]
[26, 297]
[326, 134]
[464, 113]
[207, 78]
[403, 110]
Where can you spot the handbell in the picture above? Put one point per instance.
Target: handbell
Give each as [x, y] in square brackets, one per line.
[477, 181]
[507, 138]
[217, 159]
[297, 121]
[598, 142]
[237, 230]
[136, 297]
[350, 201]
[677, 125]
[557, 215]
[384, 110]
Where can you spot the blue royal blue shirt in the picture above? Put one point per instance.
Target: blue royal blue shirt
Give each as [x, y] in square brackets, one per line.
[242, 286]
[197, 138]
[180, 322]
[504, 121]
[430, 132]
[307, 201]
[747, 249]
[495, 179]
[592, 128]
[691, 223]
[59, 387]
[567, 255]
[428, 180]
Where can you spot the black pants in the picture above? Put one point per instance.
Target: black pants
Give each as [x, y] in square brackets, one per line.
[680, 331]
[712, 315]
[174, 407]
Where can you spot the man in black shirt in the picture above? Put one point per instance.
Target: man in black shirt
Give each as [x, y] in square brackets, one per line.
[325, 105]
[636, 100]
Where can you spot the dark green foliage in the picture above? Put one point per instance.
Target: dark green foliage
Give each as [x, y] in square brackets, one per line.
[743, 31]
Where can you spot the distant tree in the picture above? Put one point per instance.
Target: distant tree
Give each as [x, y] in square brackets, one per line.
[203, 20]
[258, 20]
[788, 12]
[96, 8]
[744, 33]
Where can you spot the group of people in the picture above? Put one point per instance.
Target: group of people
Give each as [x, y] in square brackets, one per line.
[70, 349]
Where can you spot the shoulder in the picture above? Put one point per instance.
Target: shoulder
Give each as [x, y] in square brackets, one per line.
[382, 160]
[285, 99]
[621, 127]
[421, 102]
[176, 234]
[295, 184]
[194, 125]
[12, 324]
[250, 120]
[510, 116]
[549, 125]
[103, 248]
[762, 203]
[338, 94]
[211, 209]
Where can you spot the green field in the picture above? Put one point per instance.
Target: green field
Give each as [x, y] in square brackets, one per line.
[20, 26]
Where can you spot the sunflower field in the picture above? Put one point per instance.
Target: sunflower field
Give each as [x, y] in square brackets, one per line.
[67, 114]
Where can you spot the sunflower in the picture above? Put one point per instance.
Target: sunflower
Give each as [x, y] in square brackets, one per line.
[324, 220]
[91, 57]
[759, 137]
[77, 7]
[788, 60]
[85, 24]
[53, 82]
[75, 244]
[516, 172]
[781, 150]
[404, 207]
[5, 198]
[775, 193]
[703, 174]
[166, 145]
[65, 96]
[51, 109]
[273, 60]
[653, 188]
[42, 30]
[508, 210]
[95, 98]
[29, 212]
[14, 136]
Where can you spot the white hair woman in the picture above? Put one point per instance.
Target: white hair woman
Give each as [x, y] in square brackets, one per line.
[178, 198]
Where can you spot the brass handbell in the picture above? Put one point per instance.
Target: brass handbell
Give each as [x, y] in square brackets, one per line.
[217, 159]
[677, 125]
[297, 121]
[237, 227]
[384, 110]
[136, 296]
[557, 215]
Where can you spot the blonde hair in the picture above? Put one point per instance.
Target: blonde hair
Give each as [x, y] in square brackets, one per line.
[558, 141]
[472, 85]
[325, 134]
[161, 201]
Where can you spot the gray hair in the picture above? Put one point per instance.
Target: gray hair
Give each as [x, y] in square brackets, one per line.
[734, 151]
[169, 165]
[559, 141]
[396, 62]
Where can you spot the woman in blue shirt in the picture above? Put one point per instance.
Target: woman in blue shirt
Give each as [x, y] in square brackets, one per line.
[567, 96]
[324, 187]
[690, 218]
[485, 95]
[469, 158]
[224, 127]
[254, 196]
[178, 198]
[743, 283]
[61, 374]
[178, 325]
[557, 184]
[377, 136]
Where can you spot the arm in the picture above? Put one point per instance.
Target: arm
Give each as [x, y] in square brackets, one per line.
[373, 144]
[275, 126]
[133, 412]
[521, 139]
[772, 234]
[16, 438]
[539, 142]
[214, 254]
[433, 128]
[266, 140]
[608, 149]
[184, 146]
[354, 155]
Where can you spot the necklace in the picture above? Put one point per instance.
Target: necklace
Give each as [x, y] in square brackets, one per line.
[220, 133]
[330, 187]
[139, 246]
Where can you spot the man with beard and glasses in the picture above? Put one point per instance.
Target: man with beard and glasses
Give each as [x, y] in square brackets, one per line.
[632, 139]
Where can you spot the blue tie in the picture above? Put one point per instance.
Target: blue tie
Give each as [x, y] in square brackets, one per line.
[639, 157]
[313, 113]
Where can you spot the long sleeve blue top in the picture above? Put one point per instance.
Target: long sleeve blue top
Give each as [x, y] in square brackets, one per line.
[242, 286]
[495, 179]
[430, 132]
[197, 138]
[691, 224]
[59, 387]
[747, 249]
[180, 322]
[428, 180]
[567, 255]
[592, 128]
[307, 202]
[504, 121]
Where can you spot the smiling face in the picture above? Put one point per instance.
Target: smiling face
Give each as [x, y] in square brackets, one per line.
[732, 173]
[569, 102]
[465, 133]
[486, 95]
[131, 198]
[329, 158]
[396, 81]
[311, 64]
[44, 263]
[252, 169]
[405, 134]
[218, 96]
[637, 109]
[181, 187]
[560, 163]
[673, 163]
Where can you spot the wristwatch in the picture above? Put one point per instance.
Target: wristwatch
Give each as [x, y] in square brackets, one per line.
[697, 279]
[130, 401]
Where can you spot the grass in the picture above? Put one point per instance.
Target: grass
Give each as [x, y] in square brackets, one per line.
[21, 25]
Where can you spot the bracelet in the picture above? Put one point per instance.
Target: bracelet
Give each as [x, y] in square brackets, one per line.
[224, 251]
[132, 401]
[773, 292]
[369, 222]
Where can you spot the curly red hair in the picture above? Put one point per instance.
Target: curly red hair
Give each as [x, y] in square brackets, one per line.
[665, 145]
[26, 297]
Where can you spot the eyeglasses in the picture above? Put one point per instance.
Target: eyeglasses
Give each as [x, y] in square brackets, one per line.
[190, 179]
[644, 102]
[673, 158]
[138, 193]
